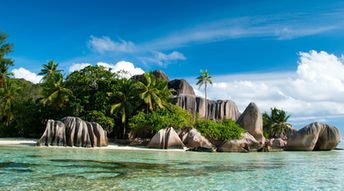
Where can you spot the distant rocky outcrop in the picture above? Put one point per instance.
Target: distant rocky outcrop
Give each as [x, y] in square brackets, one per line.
[73, 131]
[157, 73]
[219, 109]
[195, 141]
[182, 87]
[166, 139]
[252, 120]
[313, 137]
[246, 144]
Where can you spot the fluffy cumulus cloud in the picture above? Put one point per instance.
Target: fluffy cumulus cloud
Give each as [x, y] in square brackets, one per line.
[23, 73]
[105, 43]
[78, 66]
[128, 67]
[314, 90]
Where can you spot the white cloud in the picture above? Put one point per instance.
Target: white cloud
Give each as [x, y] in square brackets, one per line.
[105, 43]
[27, 75]
[122, 66]
[279, 27]
[163, 59]
[315, 89]
[175, 55]
[78, 66]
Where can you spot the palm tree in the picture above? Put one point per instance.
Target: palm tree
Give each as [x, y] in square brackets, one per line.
[203, 80]
[124, 96]
[56, 95]
[154, 92]
[275, 124]
[7, 97]
[4, 62]
[50, 70]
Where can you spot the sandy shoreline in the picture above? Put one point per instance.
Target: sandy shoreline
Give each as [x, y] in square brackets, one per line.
[111, 146]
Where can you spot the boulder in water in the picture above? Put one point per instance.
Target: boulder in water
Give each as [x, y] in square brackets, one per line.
[73, 131]
[246, 144]
[315, 136]
[166, 139]
[195, 141]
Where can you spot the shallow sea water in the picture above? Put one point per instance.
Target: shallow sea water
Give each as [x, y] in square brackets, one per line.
[41, 168]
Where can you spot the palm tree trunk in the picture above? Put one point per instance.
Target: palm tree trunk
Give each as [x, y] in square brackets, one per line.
[205, 101]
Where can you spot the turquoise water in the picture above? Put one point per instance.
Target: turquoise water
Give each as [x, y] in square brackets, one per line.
[33, 168]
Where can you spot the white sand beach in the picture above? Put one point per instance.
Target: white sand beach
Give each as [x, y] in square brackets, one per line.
[32, 142]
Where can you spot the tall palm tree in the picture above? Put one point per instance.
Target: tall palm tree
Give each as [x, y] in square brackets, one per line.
[203, 80]
[55, 94]
[50, 70]
[124, 96]
[154, 92]
[7, 96]
[275, 124]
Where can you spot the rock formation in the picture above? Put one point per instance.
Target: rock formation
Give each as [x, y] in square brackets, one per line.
[72, 131]
[315, 136]
[252, 120]
[182, 87]
[275, 144]
[166, 139]
[157, 73]
[246, 144]
[219, 109]
[195, 141]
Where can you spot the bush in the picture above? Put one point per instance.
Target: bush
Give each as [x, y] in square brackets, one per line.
[222, 130]
[172, 116]
[99, 117]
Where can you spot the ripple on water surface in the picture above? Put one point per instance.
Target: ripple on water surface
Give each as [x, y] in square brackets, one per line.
[33, 168]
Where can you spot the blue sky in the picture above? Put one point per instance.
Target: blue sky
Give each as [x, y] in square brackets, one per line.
[234, 36]
[276, 53]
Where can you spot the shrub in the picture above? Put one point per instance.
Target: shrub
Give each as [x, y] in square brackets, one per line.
[97, 116]
[221, 130]
[172, 116]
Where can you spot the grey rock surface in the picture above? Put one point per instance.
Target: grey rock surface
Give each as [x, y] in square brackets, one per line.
[315, 136]
[73, 131]
[252, 120]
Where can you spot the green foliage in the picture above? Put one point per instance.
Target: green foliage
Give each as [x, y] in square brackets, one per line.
[171, 116]
[105, 121]
[8, 95]
[154, 92]
[5, 63]
[22, 110]
[204, 79]
[221, 130]
[124, 102]
[275, 124]
[50, 72]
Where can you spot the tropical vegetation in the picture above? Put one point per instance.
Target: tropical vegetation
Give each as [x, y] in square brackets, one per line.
[121, 106]
[204, 80]
[275, 125]
[219, 130]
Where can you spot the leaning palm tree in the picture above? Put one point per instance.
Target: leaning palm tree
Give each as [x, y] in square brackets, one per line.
[275, 124]
[7, 97]
[56, 95]
[124, 96]
[203, 80]
[50, 70]
[154, 92]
